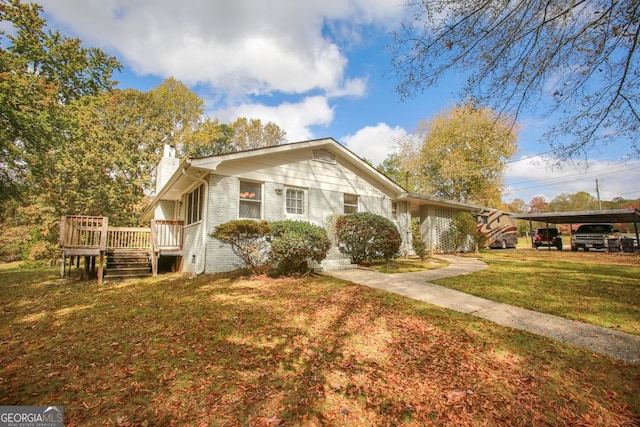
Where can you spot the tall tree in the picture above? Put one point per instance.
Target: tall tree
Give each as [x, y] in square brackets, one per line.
[567, 202]
[517, 206]
[178, 113]
[251, 133]
[538, 205]
[622, 203]
[41, 72]
[578, 58]
[393, 168]
[460, 154]
[210, 138]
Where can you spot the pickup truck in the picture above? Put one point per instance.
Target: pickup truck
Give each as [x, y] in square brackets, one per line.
[547, 237]
[591, 236]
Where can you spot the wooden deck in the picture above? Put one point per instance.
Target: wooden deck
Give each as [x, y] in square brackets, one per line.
[91, 237]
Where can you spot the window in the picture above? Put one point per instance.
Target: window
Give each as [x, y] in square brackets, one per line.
[294, 201]
[350, 203]
[193, 209]
[394, 210]
[250, 200]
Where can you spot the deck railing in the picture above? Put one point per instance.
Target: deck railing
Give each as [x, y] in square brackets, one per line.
[128, 238]
[166, 236]
[168, 233]
[92, 236]
[79, 232]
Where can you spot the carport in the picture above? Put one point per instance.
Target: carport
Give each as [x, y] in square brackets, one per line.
[611, 216]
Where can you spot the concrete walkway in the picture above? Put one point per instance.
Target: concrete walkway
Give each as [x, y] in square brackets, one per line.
[601, 340]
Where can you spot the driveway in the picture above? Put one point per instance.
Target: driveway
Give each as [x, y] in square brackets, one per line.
[619, 345]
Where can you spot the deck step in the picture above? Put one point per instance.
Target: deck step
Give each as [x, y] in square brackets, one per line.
[128, 264]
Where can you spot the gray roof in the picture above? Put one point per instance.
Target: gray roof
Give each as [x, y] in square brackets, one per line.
[581, 217]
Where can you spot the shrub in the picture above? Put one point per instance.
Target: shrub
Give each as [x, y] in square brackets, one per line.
[248, 240]
[419, 246]
[13, 241]
[480, 240]
[365, 236]
[294, 243]
[331, 227]
[463, 227]
[42, 251]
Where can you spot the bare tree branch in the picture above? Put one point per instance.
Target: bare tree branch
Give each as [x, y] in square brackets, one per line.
[575, 58]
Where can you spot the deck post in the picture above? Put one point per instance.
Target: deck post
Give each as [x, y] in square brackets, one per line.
[101, 268]
[154, 247]
[154, 263]
[103, 248]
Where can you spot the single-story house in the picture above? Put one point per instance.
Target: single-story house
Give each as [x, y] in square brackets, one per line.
[308, 180]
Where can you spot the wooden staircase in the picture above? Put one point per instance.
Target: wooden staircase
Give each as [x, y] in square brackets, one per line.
[128, 263]
[130, 251]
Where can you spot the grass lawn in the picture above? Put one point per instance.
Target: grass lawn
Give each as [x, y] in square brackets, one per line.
[594, 287]
[230, 350]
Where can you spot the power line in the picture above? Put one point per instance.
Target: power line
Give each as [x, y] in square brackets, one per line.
[528, 157]
[630, 192]
[586, 175]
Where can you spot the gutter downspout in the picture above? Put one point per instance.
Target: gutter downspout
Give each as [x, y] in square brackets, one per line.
[204, 219]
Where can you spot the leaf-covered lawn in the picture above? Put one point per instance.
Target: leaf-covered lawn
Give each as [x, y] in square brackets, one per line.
[598, 288]
[225, 350]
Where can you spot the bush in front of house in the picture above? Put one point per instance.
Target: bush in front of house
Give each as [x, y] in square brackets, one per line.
[248, 240]
[419, 246]
[294, 243]
[365, 236]
[463, 227]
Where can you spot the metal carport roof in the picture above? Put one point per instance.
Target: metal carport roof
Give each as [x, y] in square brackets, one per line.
[581, 217]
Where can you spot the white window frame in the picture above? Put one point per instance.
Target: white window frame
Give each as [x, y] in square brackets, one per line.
[193, 206]
[394, 210]
[245, 197]
[350, 207]
[303, 200]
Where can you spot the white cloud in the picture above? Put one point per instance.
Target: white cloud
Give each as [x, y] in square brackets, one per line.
[236, 46]
[375, 142]
[547, 177]
[295, 118]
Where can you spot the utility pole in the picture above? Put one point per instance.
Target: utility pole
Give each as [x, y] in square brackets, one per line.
[598, 193]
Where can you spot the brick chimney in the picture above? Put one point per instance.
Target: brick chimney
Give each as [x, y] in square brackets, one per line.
[166, 167]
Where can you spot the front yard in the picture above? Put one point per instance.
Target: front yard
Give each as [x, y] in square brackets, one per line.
[231, 350]
[595, 287]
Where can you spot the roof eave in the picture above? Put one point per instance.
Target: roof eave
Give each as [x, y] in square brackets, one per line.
[147, 213]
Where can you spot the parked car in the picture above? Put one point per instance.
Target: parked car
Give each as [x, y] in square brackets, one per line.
[593, 236]
[547, 237]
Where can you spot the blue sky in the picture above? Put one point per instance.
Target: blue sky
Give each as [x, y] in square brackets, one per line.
[317, 69]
